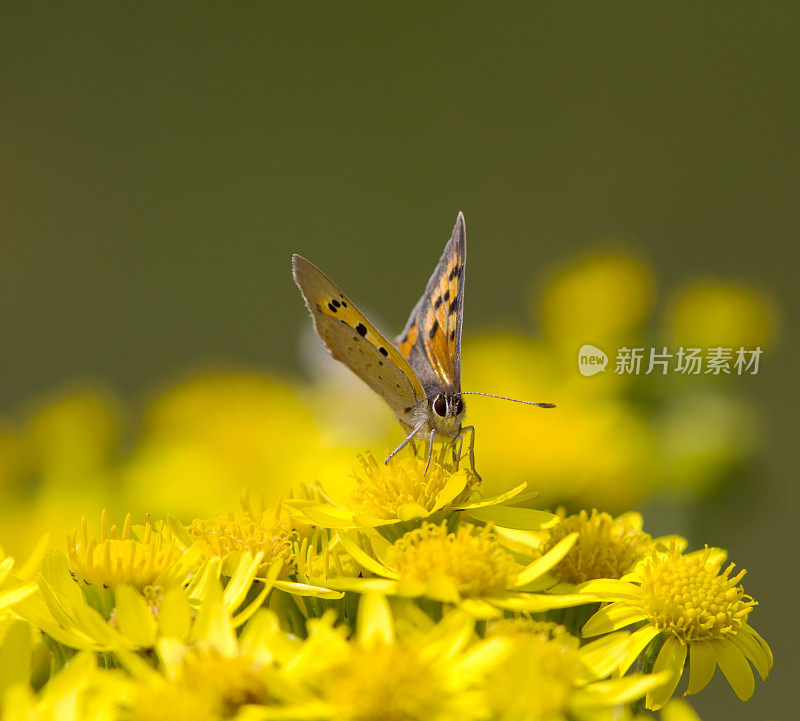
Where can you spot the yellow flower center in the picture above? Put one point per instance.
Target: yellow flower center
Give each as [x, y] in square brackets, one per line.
[535, 680]
[207, 686]
[110, 561]
[384, 488]
[247, 529]
[606, 548]
[386, 683]
[470, 558]
[689, 598]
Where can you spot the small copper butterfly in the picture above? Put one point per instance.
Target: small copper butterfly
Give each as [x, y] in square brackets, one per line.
[420, 376]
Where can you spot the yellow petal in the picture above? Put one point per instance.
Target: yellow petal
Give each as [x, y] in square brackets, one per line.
[306, 589]
[31, 565]
[174, 615]
[12, 596]
[478, 608]
[610, 589]
[748, 644]
[602, 656]
[363, 558]
[766, 650]
[702, 663]
[496, 500]
[736, 668]
[480, 658]
[619, 691]
[525, 519]
[678, 710]
[213, 625]
[636, 644]
[612, 618]
[454, 485]
[543, 564]
[537, 602]
[135, 620]
[385, 586]
[442, 588]
[242, 576]
[375, 621]
[15, 654]
[410, 511]
[671, 657]
[329, 516]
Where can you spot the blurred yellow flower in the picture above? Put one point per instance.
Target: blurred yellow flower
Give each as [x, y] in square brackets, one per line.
[603, 298]
[715, 313]
[219, 434]
[547, 676]
[596, 448]
[381, 677]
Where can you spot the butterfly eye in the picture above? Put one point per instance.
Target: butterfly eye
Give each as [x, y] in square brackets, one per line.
[440, 405]
[458, 406]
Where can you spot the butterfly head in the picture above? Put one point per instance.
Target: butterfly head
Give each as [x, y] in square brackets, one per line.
[447, 410]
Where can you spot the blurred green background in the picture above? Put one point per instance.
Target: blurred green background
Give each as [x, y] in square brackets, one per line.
[160, 165]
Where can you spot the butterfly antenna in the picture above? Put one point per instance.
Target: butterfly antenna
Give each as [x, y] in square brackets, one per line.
[506, 398]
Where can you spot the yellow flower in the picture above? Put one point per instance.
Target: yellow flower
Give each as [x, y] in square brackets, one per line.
[602, 298]
[403, 490]
[467, 567]
[713, 313]
[247, 526]
[607, 547]
[393, 495]
[219, 433]
[61, 456]
[214, 672]
[596, 448]
[250, 532]
[429, 676]
[205, 684]
[548, 676]
[154, 558]
[686, 603]
[79, 692]
[144, 599]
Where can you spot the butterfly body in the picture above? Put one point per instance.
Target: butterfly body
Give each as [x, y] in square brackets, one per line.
[420, 377]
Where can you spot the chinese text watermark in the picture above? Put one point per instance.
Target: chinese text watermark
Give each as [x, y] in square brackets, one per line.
[686, 361]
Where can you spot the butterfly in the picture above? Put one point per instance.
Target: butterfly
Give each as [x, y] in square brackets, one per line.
[419, 376]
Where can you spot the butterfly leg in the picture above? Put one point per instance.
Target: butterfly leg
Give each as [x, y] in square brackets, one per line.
[471, 429]
[430, 450]
[457, 447]
[406, 441]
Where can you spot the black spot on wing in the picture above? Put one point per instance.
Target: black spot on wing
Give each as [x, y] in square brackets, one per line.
[454, 273]
[362, 329]
[336, 303]
[436, 304]
[453, 334]
[332, 307]
[452, 307]
[383, 351]
[434, 328]
[447, 295]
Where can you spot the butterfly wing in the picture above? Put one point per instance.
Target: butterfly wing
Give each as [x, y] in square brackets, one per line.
[431, 340]
[353, 340]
